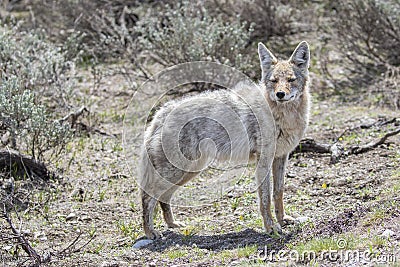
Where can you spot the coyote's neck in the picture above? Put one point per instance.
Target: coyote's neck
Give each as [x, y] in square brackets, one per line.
[291, 120]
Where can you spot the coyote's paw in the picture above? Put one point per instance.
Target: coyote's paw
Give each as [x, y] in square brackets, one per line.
[176, 224]
[153, 234]
[274, 229]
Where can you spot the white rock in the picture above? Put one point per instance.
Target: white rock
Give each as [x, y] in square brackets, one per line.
[70, 216]
[7, 248]
[303, 219]
[387, 233]
[142, 243]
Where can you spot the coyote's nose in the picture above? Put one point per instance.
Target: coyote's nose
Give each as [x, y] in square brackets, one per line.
[280, 95]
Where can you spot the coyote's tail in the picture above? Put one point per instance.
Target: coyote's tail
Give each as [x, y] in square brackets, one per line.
[146, 171]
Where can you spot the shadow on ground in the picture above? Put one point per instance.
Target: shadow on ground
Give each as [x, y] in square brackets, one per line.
[337, 224]
[247, 237]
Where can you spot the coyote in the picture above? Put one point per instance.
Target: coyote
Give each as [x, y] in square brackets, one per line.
[263, 122]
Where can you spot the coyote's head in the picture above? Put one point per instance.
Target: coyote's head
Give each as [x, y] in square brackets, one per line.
[284, 80]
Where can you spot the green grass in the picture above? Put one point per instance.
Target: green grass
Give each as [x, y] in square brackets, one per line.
[381, 212]
[329, 243]
[102, 195]
[176, 254]
[129, 229]
[375, 217]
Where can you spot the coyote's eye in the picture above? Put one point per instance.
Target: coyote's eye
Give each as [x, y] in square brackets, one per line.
[292, 79]
[273, 80]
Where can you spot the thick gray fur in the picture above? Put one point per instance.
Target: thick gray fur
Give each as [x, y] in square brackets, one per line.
[249, 122]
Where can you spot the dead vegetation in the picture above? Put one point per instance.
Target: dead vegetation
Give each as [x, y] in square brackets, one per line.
[337, 151]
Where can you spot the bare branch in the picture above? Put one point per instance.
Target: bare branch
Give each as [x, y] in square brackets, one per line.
[26, 246]
[73, 116]
[337, 151]
[364, 148]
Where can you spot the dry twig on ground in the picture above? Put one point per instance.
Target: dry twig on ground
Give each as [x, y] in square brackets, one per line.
[337, 151]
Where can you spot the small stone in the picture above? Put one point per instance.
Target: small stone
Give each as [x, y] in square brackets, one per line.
[291, 187]
[235, 263]
[26, 232]
[114, 263]
[291, 175]
[142, 243]
[340, 182]
[109, 264]
[86, 218]
[70, 216]
[40, 235]
[387, 233]
[7, 248]
[303, 219]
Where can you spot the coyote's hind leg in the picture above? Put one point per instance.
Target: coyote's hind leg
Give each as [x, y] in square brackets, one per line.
[148, 205]
[165, 201]
[169, 216]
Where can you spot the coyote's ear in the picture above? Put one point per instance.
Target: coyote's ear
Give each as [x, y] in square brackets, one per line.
[301, 55]
[266, 57]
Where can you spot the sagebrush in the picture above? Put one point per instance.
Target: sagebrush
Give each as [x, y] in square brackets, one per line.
[368, 35]
[187, 32]
[36, 78]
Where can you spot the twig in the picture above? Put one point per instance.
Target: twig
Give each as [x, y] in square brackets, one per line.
[71, 248]
[26, 246]
[73, 243]
[361, 149]
[337, 151]
[84, 245]
[74, 115]
[89, 129]
[377, 123]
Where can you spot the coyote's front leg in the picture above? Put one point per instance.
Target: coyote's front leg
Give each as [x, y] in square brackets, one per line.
[278, 172]
[263, 177]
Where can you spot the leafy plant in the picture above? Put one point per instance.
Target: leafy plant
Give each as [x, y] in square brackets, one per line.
[36, 76]
[368, 38]
[187, 32]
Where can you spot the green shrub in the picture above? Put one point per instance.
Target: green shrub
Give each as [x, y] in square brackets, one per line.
[40, 66]
[368, 34]
[106, 25]
[276, 22]
[30, 127]
[187, 32]
[36, 77]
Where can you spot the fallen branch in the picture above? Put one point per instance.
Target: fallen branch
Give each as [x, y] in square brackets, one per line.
[380, 122]
[73, 116]
[337, 151]
[88, 129]
[310, 145]
[23, 242]
[80, 126]
[371, 145]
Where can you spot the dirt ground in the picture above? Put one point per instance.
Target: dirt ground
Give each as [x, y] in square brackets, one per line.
[90, 215]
